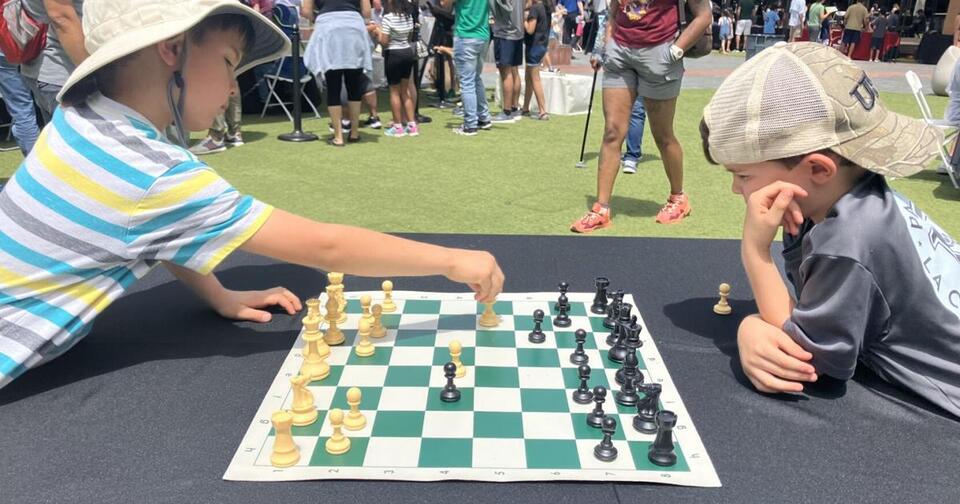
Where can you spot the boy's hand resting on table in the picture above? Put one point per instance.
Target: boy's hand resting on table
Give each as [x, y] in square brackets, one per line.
[247, 305]
[771, 359]
[477, 269]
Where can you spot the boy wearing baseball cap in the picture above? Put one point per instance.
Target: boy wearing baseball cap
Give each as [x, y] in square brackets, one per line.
[809, 144]
[104, 196]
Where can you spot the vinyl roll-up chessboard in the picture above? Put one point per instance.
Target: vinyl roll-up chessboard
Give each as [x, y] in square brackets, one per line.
[515, 420]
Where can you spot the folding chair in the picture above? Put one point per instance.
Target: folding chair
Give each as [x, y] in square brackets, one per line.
[9, 127]
[288, 20]
[949, 129]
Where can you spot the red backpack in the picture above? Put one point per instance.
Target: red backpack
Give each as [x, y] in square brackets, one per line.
[22, 38]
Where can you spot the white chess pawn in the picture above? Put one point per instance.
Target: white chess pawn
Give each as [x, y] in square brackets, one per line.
[388, 305]
[364, 348]
[723, 307]
[365, 302]
[489, 318]
[456, 350]
[377, 330]
[354, 420]
[337, 444]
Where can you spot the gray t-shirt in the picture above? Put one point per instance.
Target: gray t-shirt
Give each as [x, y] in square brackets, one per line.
[507, 19]
[53, 66]
[879, 282]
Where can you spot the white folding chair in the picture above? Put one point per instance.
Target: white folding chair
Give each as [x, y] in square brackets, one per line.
[949, 129]
[9, 127]
[284, 73]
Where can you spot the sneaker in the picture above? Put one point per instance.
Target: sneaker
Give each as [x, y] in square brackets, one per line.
[458, 111]
[503, 118]
[677, 207]
[597, 218]
[629, 166]
[465, 131]
[208, 146]
[413, 130]
[373, 122]
[484, 125]
[344, 125]
[235, 140]
[395, 131]
[516, 115]
[524, 113]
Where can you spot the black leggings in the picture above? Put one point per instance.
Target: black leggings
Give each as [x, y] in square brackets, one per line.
[335, 79]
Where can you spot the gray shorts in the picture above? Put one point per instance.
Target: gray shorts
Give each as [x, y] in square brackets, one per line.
[648, 70]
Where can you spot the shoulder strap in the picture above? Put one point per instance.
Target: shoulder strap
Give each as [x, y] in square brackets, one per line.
[681, 14]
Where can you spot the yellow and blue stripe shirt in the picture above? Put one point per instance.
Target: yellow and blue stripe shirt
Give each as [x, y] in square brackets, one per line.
[99, 201]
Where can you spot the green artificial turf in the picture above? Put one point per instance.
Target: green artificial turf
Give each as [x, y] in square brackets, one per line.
[516, 179]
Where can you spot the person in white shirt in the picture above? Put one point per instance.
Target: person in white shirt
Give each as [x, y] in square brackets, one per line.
[798, 10]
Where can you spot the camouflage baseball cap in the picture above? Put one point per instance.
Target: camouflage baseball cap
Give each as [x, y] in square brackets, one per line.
[794, 99]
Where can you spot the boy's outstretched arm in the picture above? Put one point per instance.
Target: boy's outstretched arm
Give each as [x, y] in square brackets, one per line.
[238, 305]
[358, 251]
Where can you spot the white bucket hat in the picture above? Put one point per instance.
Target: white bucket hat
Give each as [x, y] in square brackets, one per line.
[113, 29]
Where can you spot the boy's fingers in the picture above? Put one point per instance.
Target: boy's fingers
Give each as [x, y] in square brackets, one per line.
[771, 383]
[788, 362]
[253, 315]
[784, 372]
[792, 348]
[292, 304]
[284, 302]
[795, 213]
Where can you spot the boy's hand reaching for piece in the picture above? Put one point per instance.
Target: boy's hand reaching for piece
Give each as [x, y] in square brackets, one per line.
[247, 305]
[769, 208]
[479, 270]
[771, 359]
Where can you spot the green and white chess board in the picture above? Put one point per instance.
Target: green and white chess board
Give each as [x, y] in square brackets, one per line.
[516, 420]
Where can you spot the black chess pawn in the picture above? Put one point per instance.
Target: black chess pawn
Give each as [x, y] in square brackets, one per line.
[647, 408]
[595, 417]
[562, 319]
[605, 451]
[622, 325]
[627, 395]
[583, 395]
[562, 300]
[450, 392]
[599, 305]
[579, 356]
[612, 310]
[661, 452]
[633, 333]
[537, 336]
[631, 371]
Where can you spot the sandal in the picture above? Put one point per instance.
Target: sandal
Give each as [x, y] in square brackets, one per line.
[353, 140]
[333, 142]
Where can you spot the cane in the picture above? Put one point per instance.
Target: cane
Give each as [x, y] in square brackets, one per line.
[586, 126]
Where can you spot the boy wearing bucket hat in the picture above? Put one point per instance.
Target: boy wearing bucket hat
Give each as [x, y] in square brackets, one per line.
[876, 280]
[104, 196]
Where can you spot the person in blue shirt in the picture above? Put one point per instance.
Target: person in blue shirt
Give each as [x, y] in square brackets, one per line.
[770, 19]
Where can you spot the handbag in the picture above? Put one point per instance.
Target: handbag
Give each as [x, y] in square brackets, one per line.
[22, 38]
[704, 44]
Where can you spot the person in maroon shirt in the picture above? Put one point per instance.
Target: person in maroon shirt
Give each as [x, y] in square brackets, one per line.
[642, 55]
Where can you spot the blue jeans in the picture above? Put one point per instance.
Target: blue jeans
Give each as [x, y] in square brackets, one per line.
[19, 104]
[638, 117]
[468, 57]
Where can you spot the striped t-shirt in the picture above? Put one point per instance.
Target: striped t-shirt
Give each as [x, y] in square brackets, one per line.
[99, 201]
[398, 28]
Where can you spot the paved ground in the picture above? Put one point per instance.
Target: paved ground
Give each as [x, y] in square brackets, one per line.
[708, 72]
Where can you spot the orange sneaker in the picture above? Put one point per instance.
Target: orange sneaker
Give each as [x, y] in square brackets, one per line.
[677, 207]
[597, 218]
